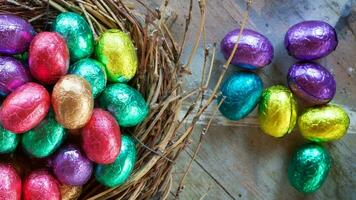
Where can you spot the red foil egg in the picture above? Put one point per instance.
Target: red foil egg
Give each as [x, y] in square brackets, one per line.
[101, 137]
[10, 183]
[24, 108]
[48, 57]
[41, 185]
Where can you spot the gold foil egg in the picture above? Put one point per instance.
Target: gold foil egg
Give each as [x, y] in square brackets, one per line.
[324, 123]
[117, 52]
[70, 192]
[277, 112]
[72, 101]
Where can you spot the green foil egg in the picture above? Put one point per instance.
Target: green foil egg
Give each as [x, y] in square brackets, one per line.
[8, 140]
[77, 33]
[117, 52]
[45, 138]
[309, 167]
[117, 173]
[125, 103]
[324, 123]
[92, 71]
[277, 111]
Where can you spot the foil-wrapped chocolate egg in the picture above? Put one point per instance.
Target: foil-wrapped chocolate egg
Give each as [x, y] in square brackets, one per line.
[15, 34]
[10, 183]
[45, 138]
[324, 123]
[72, 101]
[125, 103]
[71, 166]
[312, 83]
[241, 92]
[12, 75]
[309, 167]
[69, 192]
[24, 108]
[310, 40]
[92, 71]
[277, 111]
[117, 173]
[48, 57]
[8, 141]
[40, 184]
[254, 50]
[117, 52]
[101, 137]
[77, 33]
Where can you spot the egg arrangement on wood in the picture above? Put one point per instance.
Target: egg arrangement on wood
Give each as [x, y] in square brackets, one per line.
[277, 113]
[52, 100]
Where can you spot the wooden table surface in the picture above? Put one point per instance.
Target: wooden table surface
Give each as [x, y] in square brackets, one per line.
[237, 161]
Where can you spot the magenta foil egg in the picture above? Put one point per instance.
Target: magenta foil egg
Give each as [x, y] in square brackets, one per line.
[310, 40]
[15, 34]
[311, 82]
[71, 166]
[12, 75]
[254, 50]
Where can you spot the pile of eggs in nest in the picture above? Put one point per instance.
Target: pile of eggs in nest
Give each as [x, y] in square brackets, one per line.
[312, 83]
[53, 93]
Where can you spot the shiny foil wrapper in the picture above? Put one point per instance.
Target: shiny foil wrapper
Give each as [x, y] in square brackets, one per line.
[254, 51]
[48, 57]
[117, 173]
[72, 101]
[310, 40]
[309, 167]
[24, 108]
[93, 72]
[71, 166]
[70, 192]
[312, 83]
[242, 92]
[125, 103]
[277, 111]
[77, 33]
[117, 52]
[8, 141]
[101, 137]
[45, 138]
[324, 123]
[41, 183]
[12, 75]
[10, 183]
[15, 34]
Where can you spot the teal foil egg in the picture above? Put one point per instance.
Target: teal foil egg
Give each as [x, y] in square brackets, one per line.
[309, 167]
[117, 173]
[92, 71]
[77, 33]
[125, 103]
[45, 138]
[8, 140]
[242, 92]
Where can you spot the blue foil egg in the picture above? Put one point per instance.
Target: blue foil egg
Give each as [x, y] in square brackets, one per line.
[242, 92]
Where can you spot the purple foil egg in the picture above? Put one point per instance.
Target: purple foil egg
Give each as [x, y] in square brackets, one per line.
[15, 34]
[71, 166]
[310, 40]
[254, 51]
[12, 75]
[312, 83]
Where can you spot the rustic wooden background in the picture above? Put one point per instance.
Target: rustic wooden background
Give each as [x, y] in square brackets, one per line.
[237, 161]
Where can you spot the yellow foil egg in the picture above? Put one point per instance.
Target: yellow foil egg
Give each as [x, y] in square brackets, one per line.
[70, 192]
[117, 52]
[72, 101]
[277, 112]
[324, 123]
